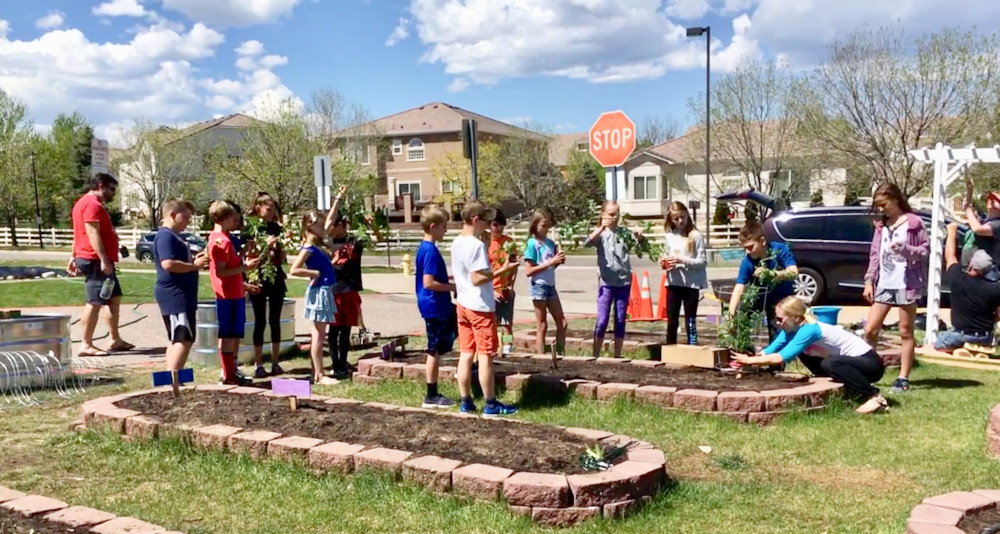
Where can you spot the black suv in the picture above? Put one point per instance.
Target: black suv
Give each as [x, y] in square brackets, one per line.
[144, 248]
[830, 245]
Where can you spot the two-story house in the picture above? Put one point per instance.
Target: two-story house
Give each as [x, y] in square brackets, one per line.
[417, 144]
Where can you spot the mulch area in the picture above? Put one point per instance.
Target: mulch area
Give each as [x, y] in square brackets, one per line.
[521, 447]
[14, 523]
[978, 523]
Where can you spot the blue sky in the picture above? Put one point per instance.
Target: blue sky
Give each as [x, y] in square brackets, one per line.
[556, 63]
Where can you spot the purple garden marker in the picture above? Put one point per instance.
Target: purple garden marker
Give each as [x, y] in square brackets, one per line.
[289, 386]
[387, 351]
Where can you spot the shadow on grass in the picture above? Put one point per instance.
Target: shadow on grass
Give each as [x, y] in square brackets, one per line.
[946, 383]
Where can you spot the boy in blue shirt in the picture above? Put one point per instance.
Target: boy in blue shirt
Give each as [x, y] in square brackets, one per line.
[762, 255]
[434, 300]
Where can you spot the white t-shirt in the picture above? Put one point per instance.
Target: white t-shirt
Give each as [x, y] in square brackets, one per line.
[892, 265]
[468, 255]
[839, 342]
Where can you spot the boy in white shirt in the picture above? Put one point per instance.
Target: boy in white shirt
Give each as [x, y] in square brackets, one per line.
[477, 329]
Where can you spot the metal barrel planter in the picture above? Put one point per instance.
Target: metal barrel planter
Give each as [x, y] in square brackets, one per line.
[206, 350]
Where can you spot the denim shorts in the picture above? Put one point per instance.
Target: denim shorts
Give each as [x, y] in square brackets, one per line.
[543, 292]
[955, 339]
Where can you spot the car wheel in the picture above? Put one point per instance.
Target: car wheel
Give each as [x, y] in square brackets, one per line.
[809, 285]
[146, 257]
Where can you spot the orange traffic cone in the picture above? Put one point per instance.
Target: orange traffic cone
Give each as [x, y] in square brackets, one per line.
[633, 300]
[661, 304]
[646, 302]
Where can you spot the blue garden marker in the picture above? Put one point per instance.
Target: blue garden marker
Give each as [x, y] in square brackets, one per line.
[173, 378]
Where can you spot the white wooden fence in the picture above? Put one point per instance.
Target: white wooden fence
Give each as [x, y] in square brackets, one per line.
[720, 236]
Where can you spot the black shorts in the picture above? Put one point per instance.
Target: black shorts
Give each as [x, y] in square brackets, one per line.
[94, 279]
[441, 334]
[180, 326]
[231, 314]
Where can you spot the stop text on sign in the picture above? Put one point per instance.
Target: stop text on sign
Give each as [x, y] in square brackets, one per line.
[613, 139]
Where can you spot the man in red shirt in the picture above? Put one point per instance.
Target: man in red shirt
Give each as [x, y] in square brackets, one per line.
[95, 252]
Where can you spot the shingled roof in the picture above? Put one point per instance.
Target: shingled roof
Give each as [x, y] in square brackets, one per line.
[439, 117]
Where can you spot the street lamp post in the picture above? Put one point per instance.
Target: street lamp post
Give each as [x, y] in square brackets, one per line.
[38, 210]
[697, 32]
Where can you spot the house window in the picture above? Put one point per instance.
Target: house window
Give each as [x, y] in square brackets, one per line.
[644, 187]
[359, 154]
[411, 188]
[449, 187]
[582, 147]
[415, 150]
[397, 147]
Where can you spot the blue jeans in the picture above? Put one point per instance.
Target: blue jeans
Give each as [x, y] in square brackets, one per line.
[955, 339]
[543, 292]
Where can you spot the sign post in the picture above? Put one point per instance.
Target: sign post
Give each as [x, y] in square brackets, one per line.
[612, 141]
[471, 149]
[98, 156]
[323, 180]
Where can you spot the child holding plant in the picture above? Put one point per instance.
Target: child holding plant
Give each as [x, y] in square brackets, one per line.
[226, 273]
[615, 276]
[769, 266]
[270, 299]
[501, 248]
[685, 263]
[542, 256]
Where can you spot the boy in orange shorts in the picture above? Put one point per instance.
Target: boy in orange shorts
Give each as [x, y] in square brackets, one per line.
[477, 326]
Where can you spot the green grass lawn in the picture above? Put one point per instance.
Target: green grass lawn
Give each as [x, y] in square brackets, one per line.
[136, 288]
[833, 471]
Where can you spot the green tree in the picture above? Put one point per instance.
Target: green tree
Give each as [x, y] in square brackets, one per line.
[880, 92]
[721, 215]
[68, 168]
[16, 137]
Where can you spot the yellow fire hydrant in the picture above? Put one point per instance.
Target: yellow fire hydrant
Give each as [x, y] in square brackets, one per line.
[407, 265]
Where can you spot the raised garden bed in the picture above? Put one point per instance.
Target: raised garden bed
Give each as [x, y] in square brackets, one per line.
[23, 514]
[958, 512]
[643, 344]
[534, 467]
[756, 398]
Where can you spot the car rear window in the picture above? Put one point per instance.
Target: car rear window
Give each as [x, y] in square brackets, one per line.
[801, 227]
[850, 228]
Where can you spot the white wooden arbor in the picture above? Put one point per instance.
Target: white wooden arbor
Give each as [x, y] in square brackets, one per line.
[949, 165]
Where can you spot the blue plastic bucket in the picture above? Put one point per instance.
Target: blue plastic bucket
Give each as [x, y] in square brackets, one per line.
[826, 314]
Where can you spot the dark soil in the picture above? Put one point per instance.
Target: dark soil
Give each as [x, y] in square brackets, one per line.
[13, 523]
[521, 447]
[976, 523]
[679, 377]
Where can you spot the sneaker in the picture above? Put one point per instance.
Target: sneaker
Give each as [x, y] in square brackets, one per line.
[239, 380]
[327, 381]
[439, 401]
[507, 349]
[874, 404]
[276, 370]
[259, 372]
[467, 406]
[498, 409]
[900, 385]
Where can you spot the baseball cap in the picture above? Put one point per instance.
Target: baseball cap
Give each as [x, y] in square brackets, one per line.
[475, 208]
[981, 262]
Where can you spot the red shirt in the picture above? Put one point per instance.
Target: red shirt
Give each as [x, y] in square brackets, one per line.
[90, 210]
[222, 255]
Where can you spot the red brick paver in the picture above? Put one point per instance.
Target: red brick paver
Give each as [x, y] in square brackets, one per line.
[564, 517]
[479, 480]
[662, 395]
[291, 447]
[383, 459]
[213, 436]
[79, 516]
[127, 525]
[432, 472]
[696, 399]
[33, 504]
[537, 489]
[614, 390]
[253, 443]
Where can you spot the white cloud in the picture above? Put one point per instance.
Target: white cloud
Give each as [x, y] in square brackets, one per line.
[483, 41]
[158, 73]
[250, 48]
[120, 8]
[232, 12]
[54, 19]
[400, 32]
[4, 28]
[737, 6]
[458, 85]
[687, 9]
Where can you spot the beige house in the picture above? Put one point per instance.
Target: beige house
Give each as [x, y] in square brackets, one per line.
[675, 170]
[420, 152]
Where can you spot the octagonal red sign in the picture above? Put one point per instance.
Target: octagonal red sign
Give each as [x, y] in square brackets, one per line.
[612, 138]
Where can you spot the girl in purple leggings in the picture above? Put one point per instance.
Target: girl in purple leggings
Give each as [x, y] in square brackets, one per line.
[615, 276]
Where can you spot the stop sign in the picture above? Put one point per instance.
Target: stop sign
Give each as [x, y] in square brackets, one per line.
[612, 138]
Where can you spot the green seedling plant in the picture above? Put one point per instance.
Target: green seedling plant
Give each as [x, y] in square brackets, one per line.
[255, 233]
[738, 329]
[600, 458]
